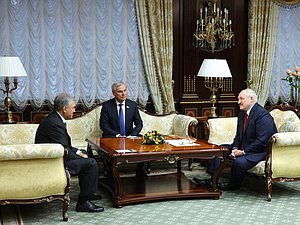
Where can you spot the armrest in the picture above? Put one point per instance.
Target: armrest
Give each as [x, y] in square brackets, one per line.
[182, 124]
[287, 138]
[284, 155]
[31, 151]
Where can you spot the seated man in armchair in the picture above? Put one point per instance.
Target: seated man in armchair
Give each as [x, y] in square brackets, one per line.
[255, 127]
[53, 130]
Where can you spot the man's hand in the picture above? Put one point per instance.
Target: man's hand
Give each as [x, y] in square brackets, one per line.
[237, 152]
[83, 155]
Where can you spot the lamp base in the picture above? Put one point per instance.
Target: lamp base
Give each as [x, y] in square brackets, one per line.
[9, 119]
[213, 113]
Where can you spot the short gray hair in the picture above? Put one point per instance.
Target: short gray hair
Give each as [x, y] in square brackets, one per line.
[62, 100]
[114, 86]
[250, 93]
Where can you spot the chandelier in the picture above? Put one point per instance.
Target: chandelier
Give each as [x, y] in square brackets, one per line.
[213, 31]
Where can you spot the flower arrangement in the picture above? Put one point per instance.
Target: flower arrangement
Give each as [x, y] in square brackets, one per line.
[153, 138]
[294, 81]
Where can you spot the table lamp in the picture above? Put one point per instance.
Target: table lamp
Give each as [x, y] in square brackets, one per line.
[214, 70]
[10, 67]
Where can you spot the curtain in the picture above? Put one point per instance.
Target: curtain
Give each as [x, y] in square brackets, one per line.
[155, 25]
[263, 18]
[287, 54]
[74, 46]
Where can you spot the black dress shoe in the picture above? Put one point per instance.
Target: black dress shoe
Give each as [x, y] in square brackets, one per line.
[88, 207]
[95, 196]
[228, 186]
[205, 182]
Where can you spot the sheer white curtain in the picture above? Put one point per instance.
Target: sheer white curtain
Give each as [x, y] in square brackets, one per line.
[74, 46]
[287, 54]
[263, 19]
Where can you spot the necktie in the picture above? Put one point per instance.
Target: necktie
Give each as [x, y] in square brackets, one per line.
[245, 121]
[122, 122]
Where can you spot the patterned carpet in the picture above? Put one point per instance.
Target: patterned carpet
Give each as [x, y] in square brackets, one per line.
[246, 206]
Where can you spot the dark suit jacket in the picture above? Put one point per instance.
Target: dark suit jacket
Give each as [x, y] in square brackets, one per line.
[109, 119]
[53, 130]
[260, 127]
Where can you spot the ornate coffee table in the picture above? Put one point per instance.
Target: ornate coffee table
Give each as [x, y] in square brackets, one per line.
[115, 152]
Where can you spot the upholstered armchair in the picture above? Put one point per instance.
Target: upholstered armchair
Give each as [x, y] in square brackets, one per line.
[283, 154]
[31, 173]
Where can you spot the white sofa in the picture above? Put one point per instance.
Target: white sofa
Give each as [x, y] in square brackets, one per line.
[87, 125]
[31, 173]
[282, 161]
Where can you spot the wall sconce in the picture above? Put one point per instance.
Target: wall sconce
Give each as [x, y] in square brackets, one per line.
[213, 29]
[10, 67]
[214, 70]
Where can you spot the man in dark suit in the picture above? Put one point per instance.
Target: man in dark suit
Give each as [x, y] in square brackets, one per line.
[53, 130]
[110, 114]
[119, 109]
[255, 127]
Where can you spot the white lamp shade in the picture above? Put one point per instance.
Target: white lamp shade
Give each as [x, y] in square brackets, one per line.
[214, 68]
[11, 67]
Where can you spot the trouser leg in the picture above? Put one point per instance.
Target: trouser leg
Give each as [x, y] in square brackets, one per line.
[239, 168]
[88, 172]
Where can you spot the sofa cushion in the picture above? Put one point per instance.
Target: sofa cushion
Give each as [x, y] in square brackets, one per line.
[85, 126]
[17, 133]
[163, 124]
[285, 121]
[222, 130]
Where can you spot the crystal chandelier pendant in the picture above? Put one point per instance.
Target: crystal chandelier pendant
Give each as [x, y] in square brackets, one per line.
[213, 29]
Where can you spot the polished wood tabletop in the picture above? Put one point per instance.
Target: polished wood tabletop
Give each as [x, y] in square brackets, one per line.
[110, 145]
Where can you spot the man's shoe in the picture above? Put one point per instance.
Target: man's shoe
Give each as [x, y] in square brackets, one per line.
[205, 182]
[228, 186]
[88, 207]
[95, 196]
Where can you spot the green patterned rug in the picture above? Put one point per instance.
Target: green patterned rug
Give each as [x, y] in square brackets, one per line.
[246, 206]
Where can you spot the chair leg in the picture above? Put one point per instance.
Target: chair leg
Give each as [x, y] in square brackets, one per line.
[66, 203]
[190, 164]
[269, 187]
[148, 169]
